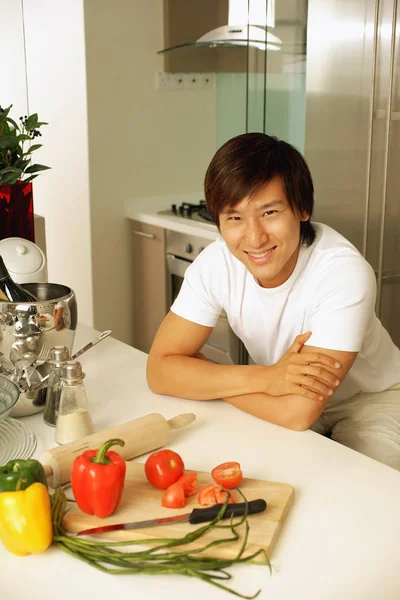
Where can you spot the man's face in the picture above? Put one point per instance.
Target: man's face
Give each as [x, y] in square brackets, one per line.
[264, 234]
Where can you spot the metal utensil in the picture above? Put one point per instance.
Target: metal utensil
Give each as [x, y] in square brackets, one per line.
[44, 353]
[98, 339]
[198, 515]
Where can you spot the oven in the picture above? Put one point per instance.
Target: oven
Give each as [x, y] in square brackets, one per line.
[223, 346]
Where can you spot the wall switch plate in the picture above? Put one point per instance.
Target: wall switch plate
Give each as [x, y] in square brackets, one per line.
[206, 81]
[167, 82]
[162, 82]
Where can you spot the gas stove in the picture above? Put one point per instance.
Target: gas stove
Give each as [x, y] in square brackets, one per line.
[187, 210]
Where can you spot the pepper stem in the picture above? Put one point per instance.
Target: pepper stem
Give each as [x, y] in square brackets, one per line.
[101, 457]
[20, 482]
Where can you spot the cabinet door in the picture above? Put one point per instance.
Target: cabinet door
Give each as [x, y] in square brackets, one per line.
[149, 277]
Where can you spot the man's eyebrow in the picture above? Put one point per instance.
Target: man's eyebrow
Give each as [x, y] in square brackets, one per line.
[230, 210]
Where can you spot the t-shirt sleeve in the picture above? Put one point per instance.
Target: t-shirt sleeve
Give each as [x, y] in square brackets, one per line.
[201, 297]
[342, 305]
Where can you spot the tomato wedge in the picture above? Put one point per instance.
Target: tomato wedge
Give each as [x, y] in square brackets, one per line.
[174, 496]
[227, 475]
[189, 483]
[212, 494]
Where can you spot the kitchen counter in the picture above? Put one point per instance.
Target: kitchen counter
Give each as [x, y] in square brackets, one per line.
[146, 210]
[341, 537]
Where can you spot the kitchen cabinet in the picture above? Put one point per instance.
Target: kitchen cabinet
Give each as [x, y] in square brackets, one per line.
[149, 281]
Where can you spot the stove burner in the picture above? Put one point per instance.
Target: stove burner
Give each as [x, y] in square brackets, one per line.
[189, 210]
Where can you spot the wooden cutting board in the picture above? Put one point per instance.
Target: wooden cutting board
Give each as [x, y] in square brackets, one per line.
[142, 501]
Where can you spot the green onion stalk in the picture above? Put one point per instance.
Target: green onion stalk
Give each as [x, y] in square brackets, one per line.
[159, 559]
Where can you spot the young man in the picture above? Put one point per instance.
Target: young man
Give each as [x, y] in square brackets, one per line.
[300, 297]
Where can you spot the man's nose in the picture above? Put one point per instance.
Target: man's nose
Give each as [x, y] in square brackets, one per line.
[256, 235]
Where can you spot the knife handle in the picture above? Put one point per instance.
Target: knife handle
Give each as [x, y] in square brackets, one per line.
[201, 515]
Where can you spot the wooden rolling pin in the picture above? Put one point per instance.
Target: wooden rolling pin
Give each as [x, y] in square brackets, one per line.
[140, 436]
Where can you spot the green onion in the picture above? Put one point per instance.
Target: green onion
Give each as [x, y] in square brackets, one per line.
[158, 560]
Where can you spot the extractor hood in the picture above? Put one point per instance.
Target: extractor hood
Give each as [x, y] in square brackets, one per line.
[248, 23]
[234, 35]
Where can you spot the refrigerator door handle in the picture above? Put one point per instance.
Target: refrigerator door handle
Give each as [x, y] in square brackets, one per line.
[386, 160]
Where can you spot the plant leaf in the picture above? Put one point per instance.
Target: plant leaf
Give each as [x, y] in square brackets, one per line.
[32, 148]
[22, 137]
[22, 164]
[5, 112]
[31, 121]
[11, 170]
[8, 141]
[35, 168]
[39, 123]
[9, 178]
[9, 120]
[29, 179]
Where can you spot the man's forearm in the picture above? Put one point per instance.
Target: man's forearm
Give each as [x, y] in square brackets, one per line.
[291, 411]
[196, 379]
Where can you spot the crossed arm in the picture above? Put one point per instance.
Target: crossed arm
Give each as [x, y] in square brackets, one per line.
[292, 393]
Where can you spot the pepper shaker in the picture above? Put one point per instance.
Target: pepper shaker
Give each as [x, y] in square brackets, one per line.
[74, 420]
[58, 357]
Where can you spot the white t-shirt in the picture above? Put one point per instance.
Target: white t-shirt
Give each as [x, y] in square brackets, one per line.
[331, 292]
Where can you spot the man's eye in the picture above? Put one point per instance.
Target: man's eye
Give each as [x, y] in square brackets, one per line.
[270, 212]
[234, 218]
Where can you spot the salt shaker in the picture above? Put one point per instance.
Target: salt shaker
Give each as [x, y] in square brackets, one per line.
[58, 357]
[74, 420]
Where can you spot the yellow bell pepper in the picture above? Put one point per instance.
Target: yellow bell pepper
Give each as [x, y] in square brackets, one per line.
[25, 520]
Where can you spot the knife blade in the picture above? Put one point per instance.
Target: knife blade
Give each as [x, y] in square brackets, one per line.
[198, 515]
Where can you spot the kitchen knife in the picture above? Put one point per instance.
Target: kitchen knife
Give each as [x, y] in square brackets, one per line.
[198, 515]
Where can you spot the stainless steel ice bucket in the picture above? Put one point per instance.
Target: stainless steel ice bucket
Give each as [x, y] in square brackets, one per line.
[37, 327]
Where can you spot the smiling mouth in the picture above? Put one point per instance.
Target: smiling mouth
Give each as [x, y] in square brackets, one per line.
[261, 255]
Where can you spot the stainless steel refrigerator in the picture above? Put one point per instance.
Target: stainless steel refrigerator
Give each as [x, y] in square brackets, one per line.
[352, 133]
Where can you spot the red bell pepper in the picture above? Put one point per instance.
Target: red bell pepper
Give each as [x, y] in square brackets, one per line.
[98, 478]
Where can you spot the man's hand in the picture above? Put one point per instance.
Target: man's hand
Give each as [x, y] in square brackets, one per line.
[302, 374]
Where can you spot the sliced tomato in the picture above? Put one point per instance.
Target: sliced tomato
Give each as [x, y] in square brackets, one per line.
[212, 494]
[189, 483]
[228, 475]
[221, 495]
[174, 496]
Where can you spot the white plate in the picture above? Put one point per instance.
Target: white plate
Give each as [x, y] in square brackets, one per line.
[16, 440]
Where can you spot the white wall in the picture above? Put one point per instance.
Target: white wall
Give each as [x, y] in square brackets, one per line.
[57, 92]
[12, 80]
[141, 142]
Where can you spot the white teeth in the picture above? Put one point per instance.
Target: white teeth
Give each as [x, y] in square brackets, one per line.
[254, 255]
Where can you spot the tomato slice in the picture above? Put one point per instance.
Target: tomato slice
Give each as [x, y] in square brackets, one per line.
[174, 496]
[221, 496]
[189, 483]
[227, 475]
[212, 494]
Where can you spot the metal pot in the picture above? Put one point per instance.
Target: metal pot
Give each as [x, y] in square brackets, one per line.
[37, 327]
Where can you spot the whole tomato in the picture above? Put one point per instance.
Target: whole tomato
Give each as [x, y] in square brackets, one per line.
[163, 468]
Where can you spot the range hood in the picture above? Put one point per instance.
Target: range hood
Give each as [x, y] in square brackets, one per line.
[234, 35]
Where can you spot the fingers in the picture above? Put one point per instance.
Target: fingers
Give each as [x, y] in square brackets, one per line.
[299, 342]
[318, 357]
[307, 393]
[322, 375]
[316, 385]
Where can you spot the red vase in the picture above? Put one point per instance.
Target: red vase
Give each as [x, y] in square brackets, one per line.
[16, 211]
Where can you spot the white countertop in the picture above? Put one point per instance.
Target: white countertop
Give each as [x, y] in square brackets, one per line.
[146, 210]
[341, 537]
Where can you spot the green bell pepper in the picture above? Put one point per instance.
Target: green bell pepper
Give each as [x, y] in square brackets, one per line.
[31, 470]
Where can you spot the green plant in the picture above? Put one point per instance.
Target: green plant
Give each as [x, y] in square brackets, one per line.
[15, 161]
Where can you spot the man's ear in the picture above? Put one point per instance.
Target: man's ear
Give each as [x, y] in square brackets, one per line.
[304, 216]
